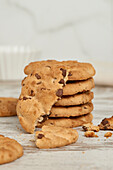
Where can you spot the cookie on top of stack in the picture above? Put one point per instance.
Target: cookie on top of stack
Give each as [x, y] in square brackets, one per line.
[56, 93]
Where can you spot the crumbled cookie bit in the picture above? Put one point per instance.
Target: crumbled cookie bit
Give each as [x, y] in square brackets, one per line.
[108, 134]
[90, 134]
[90, 127]
[107, 123]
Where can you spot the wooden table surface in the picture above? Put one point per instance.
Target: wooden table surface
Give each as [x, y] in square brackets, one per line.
[86, 153]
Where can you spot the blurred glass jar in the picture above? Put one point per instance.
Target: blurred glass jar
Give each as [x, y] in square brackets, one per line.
[13, 59]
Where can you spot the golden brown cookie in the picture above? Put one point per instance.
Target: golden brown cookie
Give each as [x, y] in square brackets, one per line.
[10, 150]
[54, 136]
[8, 106]
[76, 99]
[106, 124]
[40, 91]
[67, 122]
[59, 111]
[73, 87]
[78, 71]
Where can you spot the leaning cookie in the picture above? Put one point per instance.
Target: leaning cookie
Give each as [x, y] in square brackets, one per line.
[8, 106]
[54, 136]
[78, 71]
[67, 122]
[10, 150]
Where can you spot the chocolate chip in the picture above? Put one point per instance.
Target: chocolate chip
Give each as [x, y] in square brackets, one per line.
[85, 107]
[44, 118]
[37, 76]
[0, 101]
[32, 93]
[59, 92]
[23, 84]
[39, 83]
[25, 98]
[40, 136]
[85, 128]
[63, 72]
[104, 121]
[70, 74]
[62, 82]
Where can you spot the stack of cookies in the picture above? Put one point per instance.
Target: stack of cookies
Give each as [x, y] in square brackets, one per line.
[75, 107]
[56, 93]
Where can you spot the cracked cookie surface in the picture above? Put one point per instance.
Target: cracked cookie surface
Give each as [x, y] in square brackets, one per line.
[54, 136]
[10, 150]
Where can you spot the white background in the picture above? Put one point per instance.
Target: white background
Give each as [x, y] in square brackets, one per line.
[62, 29]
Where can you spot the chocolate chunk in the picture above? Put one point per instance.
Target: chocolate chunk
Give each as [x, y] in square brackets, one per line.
[70, 74]
[59, 92]
[40, 136]
[62, 82]
[85, 107]
[85, 128]
[25, 98]
[63, 72]
[32, 93]
[44, 118]
[37, 76]
[39, 83]
[104, 121]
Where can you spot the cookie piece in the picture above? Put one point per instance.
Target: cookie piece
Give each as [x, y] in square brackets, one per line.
[71, 111]
[78, 71]
[90, 134]
[108, 134]
[8, 106]
[67, 122]
[54, 136]
[73, 87]
[90, 127]
[10, 150]
[106, 124]
[76, 99]
[40, 91]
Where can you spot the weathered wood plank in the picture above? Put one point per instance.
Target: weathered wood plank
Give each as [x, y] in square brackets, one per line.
[98, 151]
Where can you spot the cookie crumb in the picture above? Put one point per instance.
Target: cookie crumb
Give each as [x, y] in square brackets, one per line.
[83, 152]
[108, 134]
[90, 127]
[106, 123]
[90, 134]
